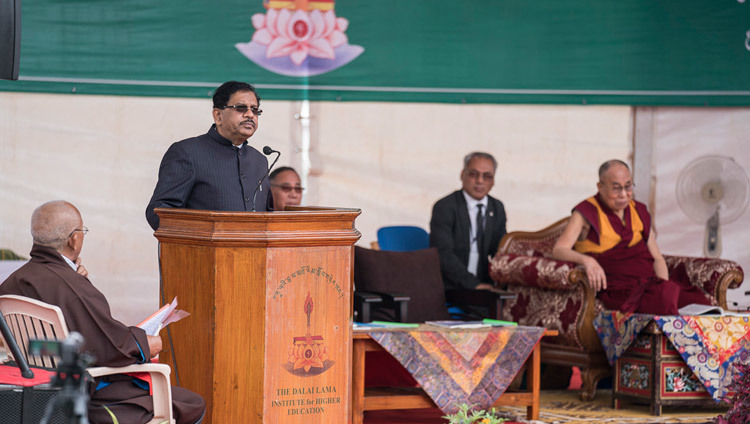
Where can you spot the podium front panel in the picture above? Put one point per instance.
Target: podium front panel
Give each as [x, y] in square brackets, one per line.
[308, 336]
[269, 336]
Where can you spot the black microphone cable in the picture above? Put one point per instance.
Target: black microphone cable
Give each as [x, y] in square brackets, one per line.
[169, 331]
[266, 151]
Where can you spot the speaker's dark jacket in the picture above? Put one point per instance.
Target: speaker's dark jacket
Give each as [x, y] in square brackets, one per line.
[450, 229]
[207, 172]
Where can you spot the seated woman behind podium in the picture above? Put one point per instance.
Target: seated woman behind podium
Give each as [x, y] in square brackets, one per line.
[286, 188]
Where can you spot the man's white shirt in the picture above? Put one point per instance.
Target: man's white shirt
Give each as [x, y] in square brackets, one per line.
[71, 263]
[472, 207]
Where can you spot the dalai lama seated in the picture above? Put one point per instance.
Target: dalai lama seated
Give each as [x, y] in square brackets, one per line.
[610, 234]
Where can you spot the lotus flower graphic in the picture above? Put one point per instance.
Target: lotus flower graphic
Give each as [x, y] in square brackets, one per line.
[299, 38]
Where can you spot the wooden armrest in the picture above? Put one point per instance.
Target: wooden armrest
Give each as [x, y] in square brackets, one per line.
[714, 276]
[397, 302]
[393, 297]
[367, 297]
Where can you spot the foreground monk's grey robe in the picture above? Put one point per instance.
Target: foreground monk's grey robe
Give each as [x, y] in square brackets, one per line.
[47, 277]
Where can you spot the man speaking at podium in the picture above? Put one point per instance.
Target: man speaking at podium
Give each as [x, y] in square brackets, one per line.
[217, 170]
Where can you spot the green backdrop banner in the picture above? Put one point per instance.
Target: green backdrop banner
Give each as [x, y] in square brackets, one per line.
[649, 52]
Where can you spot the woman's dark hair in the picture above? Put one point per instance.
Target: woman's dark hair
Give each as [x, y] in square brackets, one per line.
[278, 171]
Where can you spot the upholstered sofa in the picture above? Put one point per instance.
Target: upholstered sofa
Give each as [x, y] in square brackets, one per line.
[554, 294]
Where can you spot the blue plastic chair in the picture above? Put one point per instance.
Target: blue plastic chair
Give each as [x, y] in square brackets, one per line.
[403, 238]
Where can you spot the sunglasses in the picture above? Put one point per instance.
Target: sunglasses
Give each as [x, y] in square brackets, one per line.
[242, 109]
[287, 188]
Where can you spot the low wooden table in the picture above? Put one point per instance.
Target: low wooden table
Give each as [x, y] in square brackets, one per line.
[414, 398]
[642, 372]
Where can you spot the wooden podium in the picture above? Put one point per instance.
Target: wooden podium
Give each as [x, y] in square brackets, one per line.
[269, 338]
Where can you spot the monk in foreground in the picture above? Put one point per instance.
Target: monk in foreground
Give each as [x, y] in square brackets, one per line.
[610, 234]
[55, 275]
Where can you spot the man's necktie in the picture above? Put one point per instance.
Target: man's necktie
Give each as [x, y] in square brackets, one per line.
[480, 224]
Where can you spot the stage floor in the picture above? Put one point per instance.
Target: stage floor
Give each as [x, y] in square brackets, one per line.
[564, 407]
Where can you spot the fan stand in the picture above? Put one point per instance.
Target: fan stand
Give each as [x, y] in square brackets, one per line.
[712, 192]
[712, 239]
[707, 184]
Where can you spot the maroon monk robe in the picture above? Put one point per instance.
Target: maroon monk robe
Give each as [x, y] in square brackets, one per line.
[47, 277]
[632, 284]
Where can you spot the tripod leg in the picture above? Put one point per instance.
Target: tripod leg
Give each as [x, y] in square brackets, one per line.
[50, 409]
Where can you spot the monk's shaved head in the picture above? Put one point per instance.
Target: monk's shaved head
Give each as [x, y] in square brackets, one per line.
[606, 165]
[52, 223]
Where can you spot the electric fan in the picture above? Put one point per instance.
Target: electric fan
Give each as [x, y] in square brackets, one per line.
[713, 190]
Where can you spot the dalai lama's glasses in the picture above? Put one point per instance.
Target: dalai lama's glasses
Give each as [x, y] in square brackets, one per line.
[617, 189]
[84, 230]
[287, 188]
[242, 109]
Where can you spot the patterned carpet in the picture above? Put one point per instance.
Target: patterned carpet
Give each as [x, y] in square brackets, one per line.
[563, 407]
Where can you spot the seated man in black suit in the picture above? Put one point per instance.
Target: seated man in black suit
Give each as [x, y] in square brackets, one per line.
[467, 226]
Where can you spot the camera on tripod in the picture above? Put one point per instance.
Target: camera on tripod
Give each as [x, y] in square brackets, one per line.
[72, 400]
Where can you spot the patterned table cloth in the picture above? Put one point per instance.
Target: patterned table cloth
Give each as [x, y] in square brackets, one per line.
[709, 345]
[456, 366]
[618, 330]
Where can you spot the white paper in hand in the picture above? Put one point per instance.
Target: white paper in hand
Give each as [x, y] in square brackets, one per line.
[166, 315]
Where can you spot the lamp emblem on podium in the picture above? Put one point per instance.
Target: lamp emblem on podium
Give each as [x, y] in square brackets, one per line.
[308, 355]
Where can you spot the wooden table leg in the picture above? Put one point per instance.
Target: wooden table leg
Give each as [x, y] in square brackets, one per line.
[358, 381]
[533, 380]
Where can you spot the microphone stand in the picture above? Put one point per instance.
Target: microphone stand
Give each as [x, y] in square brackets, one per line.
[267, 151]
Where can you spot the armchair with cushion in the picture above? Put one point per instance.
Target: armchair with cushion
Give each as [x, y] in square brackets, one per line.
[413, 277]
[555, 295]
[386, 304]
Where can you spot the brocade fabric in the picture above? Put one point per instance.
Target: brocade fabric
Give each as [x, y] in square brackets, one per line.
[709, 345]
[618, 330]
[461, 366]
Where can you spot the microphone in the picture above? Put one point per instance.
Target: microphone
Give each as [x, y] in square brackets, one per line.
[266, 151]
